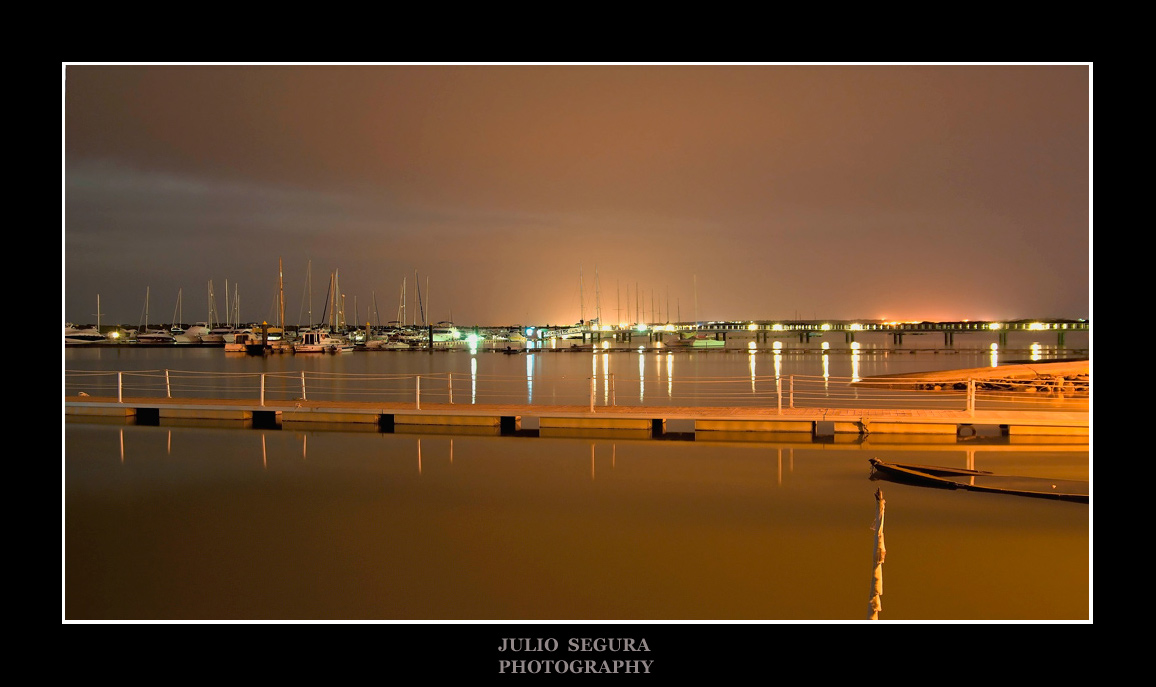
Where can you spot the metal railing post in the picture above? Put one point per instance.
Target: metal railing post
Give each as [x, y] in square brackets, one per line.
[593, 385]
[779, 393]
[613, 401]
[120, 387]
[417, 399]
[792, 392]
[303, 385]
[168, 389]
[451, 378]
[971, 397]
[262, 389]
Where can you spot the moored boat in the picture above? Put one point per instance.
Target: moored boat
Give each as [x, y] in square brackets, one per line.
[87, 335]
[695, 341]
[240, 341]
[155, 337]
[980, 480]
[322, 342]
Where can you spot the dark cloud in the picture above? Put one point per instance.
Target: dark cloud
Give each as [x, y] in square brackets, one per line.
[828, 191]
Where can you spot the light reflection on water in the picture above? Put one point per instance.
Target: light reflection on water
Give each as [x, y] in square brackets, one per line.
[548, 378]
[251, 524]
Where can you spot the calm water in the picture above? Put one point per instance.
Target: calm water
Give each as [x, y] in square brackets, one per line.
[201, 522]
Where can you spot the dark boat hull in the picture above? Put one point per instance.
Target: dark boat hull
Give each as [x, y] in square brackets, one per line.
[958, 478]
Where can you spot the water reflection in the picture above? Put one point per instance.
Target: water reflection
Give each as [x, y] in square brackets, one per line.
[855, 357]
[606, 378]
[826, 367]
[243, 542]
[641, 375]
[669, 375]
[995, 355]
[751, 365]
[530, 378]
[473, 381]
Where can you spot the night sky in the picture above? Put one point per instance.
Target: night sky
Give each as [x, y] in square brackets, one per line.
[897, 192]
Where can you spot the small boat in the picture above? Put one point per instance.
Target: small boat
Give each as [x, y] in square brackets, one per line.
[980, 480]
[155, 337]
[76, 335]
[322, 342]
[696, 341]
[240, 342]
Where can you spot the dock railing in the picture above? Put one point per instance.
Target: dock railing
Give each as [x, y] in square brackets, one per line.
[593, 391]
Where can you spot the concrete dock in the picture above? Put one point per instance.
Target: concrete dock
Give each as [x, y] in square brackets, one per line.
[514, 419]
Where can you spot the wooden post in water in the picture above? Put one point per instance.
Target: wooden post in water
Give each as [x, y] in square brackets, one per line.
[876, 603]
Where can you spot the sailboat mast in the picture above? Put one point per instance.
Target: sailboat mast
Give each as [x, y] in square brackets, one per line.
[581, 298]
[420, 308]
[597, 298]
[331, 301]
[281, 296]
[618, 300]
[696, 300]
[401, 305]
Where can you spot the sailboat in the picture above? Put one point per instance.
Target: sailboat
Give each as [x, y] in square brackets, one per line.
[270, 338]
[88, 335]
[177, 329]
[152, 336]
[214, 333]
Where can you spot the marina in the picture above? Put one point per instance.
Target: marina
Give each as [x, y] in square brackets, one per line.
[537, 344]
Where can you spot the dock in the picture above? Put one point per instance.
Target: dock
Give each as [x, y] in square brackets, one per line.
[609, 421]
